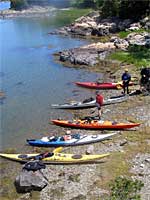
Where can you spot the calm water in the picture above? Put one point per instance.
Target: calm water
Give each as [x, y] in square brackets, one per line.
[4, 5]
[32, 80]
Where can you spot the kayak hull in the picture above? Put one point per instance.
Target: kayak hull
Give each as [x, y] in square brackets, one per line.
[95, 85]
[91, 104]
[83, 140]
[95, 125]
[57, 158]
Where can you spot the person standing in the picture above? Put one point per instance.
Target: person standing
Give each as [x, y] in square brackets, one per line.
[126, 78]
[99, 103]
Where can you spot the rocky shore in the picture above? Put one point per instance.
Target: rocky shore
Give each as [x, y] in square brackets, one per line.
[92, 25]
[34, 11]
[92, 54]
[130, 150]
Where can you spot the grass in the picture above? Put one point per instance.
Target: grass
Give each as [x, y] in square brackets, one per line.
[138, 58]
[64, 17]
[124, 34]
[119, 161]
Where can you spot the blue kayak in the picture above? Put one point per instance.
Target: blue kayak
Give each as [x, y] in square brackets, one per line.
[68, 140]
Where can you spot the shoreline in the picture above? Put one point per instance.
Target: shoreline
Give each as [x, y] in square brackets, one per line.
[92, 182]
[34, 11]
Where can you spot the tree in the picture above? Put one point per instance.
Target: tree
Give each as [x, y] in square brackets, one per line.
[86, 3]
[124, 189]
[134, 9]
[19, 4]
[110, 8]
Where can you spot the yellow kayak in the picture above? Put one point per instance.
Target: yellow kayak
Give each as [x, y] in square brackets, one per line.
[56, 158]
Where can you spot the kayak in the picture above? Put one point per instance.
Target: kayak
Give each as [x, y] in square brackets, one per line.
[133, 93]
[56, 158]
[88, 104]
[96, 85]
[94, 124]
[68, 140]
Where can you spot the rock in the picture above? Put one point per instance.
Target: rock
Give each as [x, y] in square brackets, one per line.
[88, 54]
[144, 21]
[123, 142]
[124, 24]
[27, 181]
[90, 150]
[134, 26]
[147, 160]
[120, 43]
[147, 25]
[138, 38]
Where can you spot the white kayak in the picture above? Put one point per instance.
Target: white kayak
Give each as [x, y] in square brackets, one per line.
[68, 140]
[89, 103]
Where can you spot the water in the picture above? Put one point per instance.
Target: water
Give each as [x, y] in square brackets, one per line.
[4, 5]
[32, 80]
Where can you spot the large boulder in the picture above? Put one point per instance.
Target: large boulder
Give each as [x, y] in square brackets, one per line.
[119, 43]
[88, 54]
[141, 39]
[27, 181]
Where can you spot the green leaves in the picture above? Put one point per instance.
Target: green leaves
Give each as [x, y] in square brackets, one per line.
[125, 189]
[18, 4]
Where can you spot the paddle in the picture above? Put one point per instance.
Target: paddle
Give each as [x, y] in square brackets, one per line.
[42, 155]
[119, 85]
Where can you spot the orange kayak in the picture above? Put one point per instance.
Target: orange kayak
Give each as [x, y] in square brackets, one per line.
[94, 124]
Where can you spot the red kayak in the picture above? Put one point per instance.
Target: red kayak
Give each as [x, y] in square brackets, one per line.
[94, 124]
[96, 85]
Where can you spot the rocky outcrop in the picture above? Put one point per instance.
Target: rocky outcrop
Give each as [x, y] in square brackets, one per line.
[92, 24]
[142, 39]
[31, 11]
[91, 54]
[87, 55]
[27, 181]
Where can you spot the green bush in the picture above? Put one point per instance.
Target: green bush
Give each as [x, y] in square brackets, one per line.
[19, 4]
[137, 55]
[125, 189]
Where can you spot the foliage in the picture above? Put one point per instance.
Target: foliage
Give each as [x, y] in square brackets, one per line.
[84, 3]
[133, 9]
[18, 4]
[110, 8]
[137, 55]
[121, 8]
[124, 34]
[64, 17]
[124, 189]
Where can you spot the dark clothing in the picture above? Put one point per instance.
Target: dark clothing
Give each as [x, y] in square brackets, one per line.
[145, 76]
[126, 77]
[34, 165]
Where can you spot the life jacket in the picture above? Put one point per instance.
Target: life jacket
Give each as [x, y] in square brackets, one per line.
[126, 76]
[67, 137]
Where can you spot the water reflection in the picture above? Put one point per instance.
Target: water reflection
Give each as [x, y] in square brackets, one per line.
[4, 5]
[33, 80]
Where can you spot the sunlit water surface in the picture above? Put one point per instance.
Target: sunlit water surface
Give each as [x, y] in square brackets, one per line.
[32, 80]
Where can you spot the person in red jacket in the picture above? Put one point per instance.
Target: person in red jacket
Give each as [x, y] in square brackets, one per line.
[99, 103]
